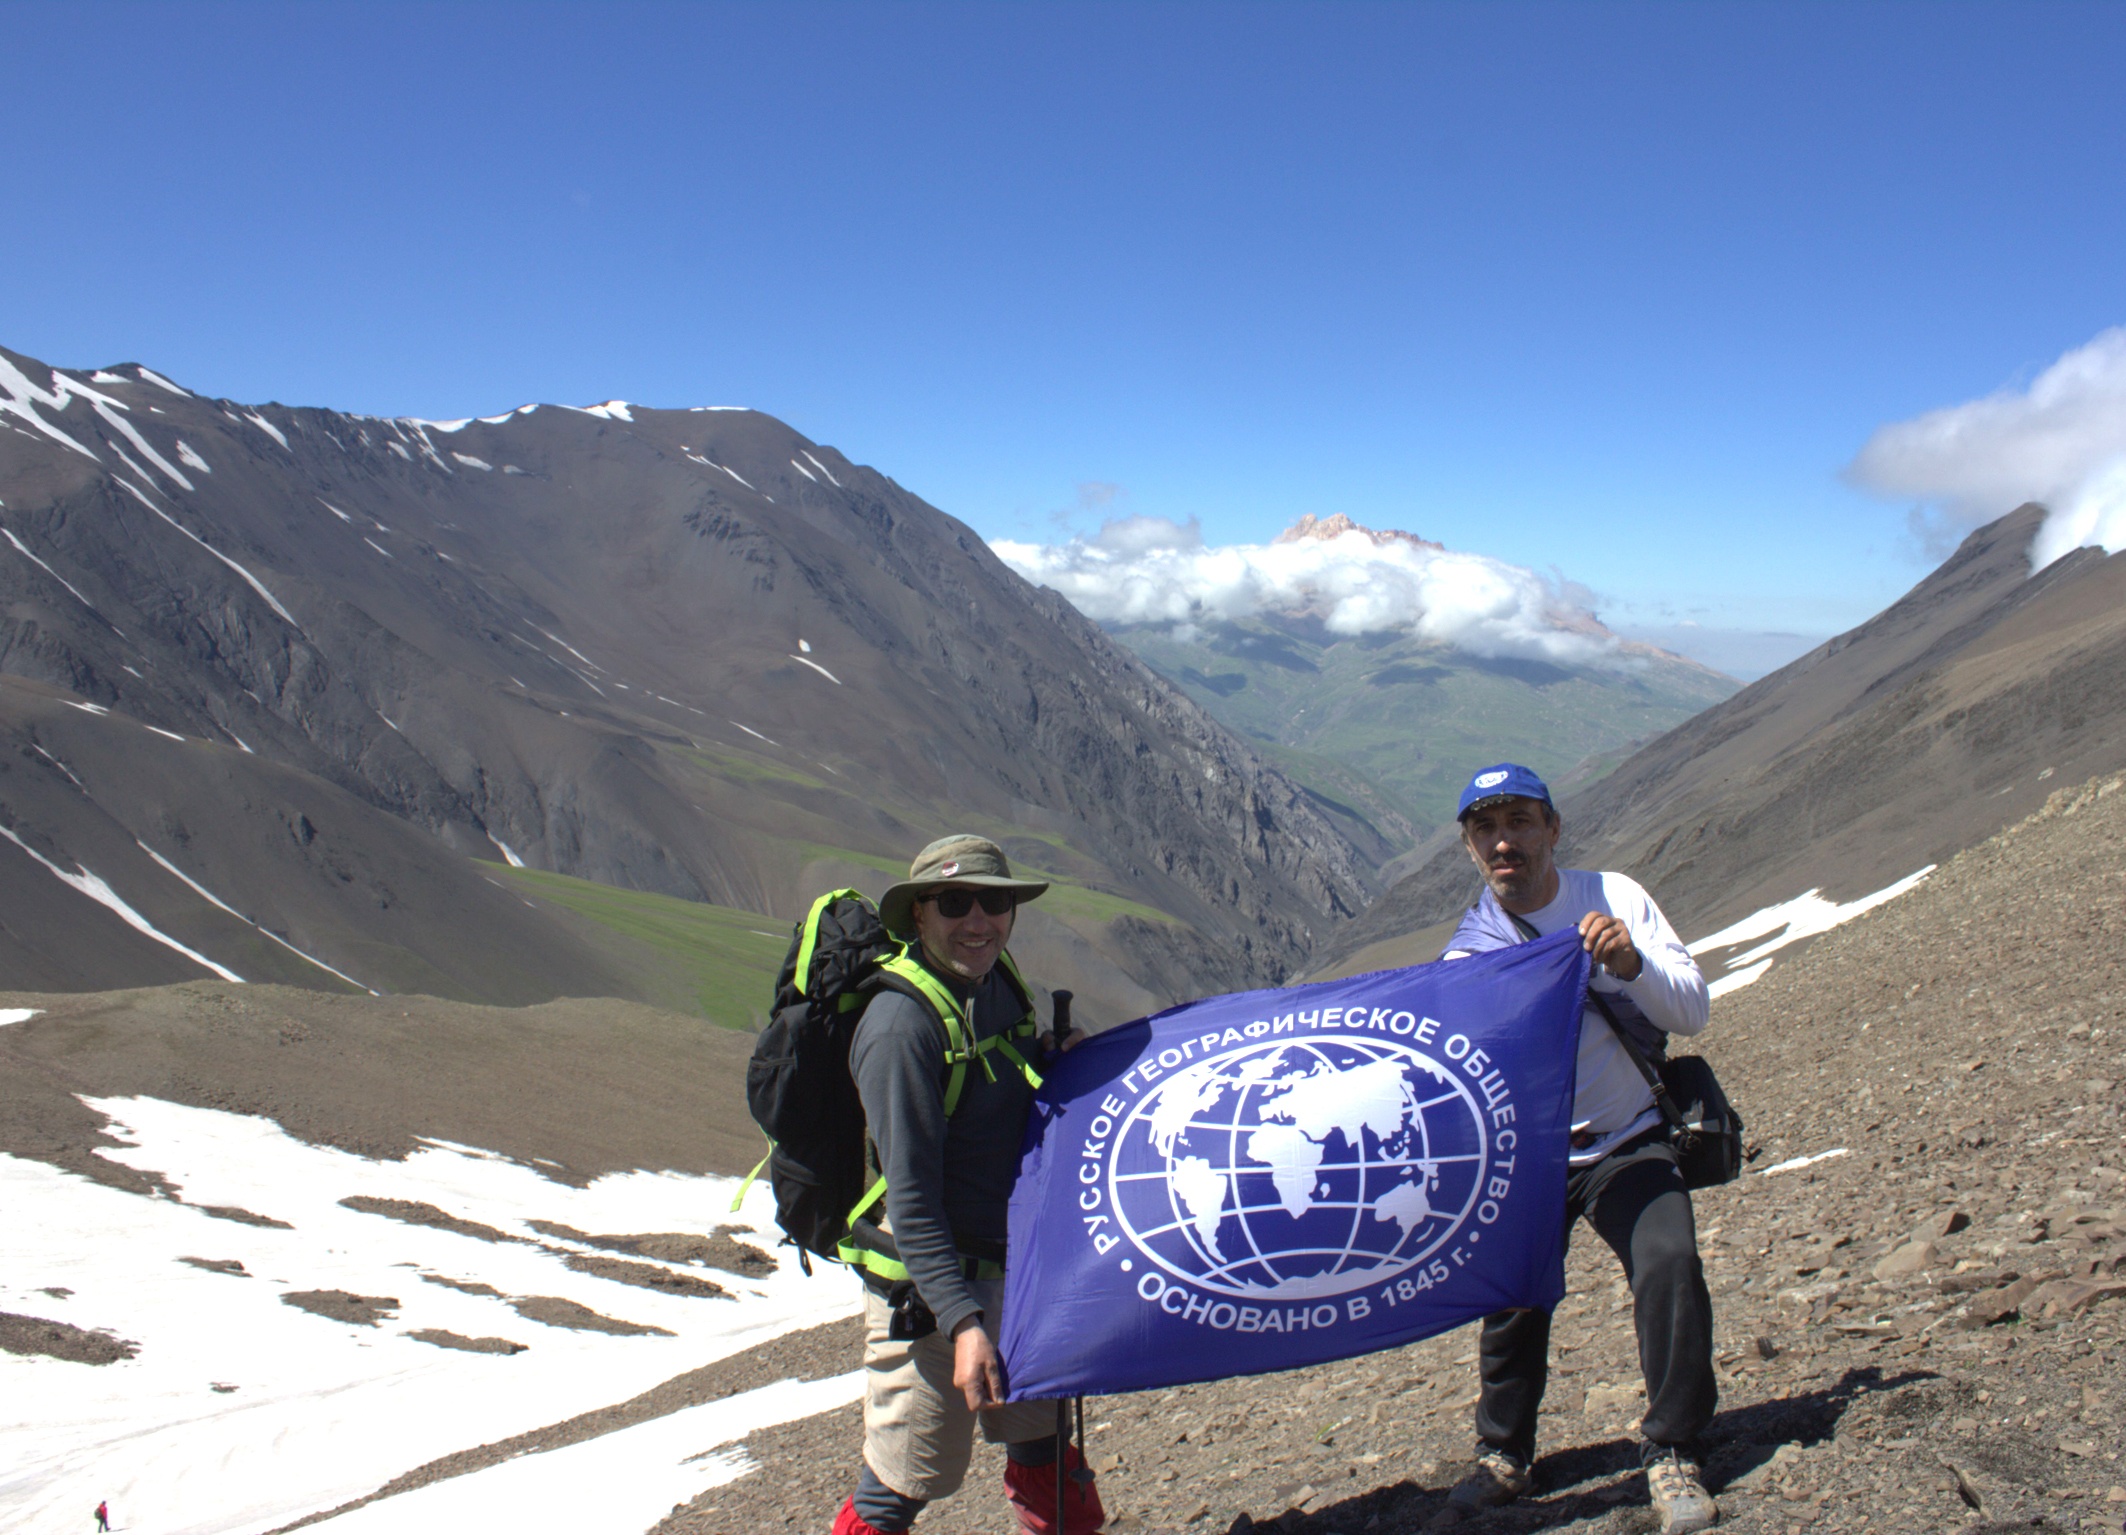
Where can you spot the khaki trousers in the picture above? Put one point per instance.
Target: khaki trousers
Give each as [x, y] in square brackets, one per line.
[918, 1431]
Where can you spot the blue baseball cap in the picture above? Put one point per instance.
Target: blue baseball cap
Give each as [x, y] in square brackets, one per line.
[1504, 780]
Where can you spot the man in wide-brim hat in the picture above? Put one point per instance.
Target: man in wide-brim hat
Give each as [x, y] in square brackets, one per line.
[957, 862]
[942, 1061]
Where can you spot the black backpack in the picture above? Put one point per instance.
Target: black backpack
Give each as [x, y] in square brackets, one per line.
[800, 1091]
[798, 1085]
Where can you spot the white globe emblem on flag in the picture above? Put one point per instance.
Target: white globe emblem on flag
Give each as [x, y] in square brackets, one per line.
[1299, 1168]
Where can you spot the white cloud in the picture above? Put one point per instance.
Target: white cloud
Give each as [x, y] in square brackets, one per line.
[1150, 570]
[2061, 441]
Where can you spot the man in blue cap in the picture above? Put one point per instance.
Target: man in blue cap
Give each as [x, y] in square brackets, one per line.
[1622, 1173]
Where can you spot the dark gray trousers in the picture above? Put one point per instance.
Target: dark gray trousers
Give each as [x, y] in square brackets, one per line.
[1636, 1202]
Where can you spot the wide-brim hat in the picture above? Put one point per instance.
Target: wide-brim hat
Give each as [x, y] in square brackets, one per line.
[956, 860]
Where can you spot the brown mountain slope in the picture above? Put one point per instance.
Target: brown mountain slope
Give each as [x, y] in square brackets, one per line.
[1947, 716]
[691, 653]
[586, 1086]
[255, 867]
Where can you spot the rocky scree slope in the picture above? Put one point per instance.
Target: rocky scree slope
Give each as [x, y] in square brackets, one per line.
[686, 652]
[1950, 714]
[1924, 1329]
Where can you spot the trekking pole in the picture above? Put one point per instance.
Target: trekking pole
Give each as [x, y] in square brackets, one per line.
[1059, 1030]
[1062, 1454]
[1083, 1474]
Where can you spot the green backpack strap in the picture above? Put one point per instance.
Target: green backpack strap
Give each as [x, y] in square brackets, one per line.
[960, 1048]
[811, 939]
[951, 1015]
[746, 1187]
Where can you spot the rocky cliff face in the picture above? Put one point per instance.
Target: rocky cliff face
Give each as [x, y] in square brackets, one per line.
[687, 652]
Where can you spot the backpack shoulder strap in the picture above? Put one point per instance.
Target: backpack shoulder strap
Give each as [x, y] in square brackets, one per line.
[1663, 1099]
[808, 930]
[910, 976]
[864, 1247]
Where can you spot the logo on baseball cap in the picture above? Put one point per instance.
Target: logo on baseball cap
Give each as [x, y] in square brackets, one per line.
[1504, 780]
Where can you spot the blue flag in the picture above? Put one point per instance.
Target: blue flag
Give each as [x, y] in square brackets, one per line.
[1277, 1178]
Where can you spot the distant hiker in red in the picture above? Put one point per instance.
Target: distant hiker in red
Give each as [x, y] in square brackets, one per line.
[946, 1140]
[103, 1517]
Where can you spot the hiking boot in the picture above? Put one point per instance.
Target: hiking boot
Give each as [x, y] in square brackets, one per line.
[1497, 1480]
[1678, 1495]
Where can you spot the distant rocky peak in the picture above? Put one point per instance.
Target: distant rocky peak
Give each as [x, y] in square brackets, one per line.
[1336, 525]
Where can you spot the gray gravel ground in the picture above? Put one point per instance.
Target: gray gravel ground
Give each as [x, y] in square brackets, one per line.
[1923, 1334]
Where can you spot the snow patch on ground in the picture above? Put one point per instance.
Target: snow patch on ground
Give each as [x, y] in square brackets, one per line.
[801, 469]
[127, 459]
[1795, 1164]
[823, 469]
[147, 449]
[268, 428]
[572, 650]
[214, 900]
[801, 661]
[10, 1015]
[622, 1482]
[190, 455]
[158, 380]
[255, 584]
[20, 398]
[103, 895]
[612, 410]
[9, 535]
[1805, 916]
[55, 762]
[470, 462]
[1735, 980]
[323, 1411]
[509, 854]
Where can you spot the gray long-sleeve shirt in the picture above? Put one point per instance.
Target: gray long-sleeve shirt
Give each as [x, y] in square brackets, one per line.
[946, 1179]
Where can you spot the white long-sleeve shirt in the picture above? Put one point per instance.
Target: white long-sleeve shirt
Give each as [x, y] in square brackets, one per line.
[1611, 1100]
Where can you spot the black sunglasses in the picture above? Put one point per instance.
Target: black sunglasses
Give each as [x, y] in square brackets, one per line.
[955, 904]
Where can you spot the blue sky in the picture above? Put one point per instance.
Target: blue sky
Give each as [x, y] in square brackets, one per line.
[1614, 290]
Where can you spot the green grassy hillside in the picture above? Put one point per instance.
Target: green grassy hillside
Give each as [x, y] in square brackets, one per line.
[722, 958]
[1412, 719]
